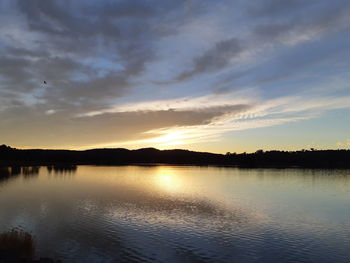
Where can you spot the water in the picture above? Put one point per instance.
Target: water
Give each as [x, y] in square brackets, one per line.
[180, 214]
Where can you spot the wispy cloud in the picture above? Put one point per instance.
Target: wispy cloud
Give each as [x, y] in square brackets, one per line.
[200, 103]
[344, 143]
[259, 114]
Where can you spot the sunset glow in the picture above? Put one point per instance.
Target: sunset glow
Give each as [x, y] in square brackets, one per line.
[175, 131]
[175, 74]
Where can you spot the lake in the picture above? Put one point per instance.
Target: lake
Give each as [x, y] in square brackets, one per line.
[180, 213]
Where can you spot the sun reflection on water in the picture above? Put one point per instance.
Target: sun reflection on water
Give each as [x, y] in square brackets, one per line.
[168, 181]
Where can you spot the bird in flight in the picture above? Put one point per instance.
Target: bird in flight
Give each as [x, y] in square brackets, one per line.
[45, 82]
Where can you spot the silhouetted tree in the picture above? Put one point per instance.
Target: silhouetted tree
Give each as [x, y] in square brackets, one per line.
[66, 161]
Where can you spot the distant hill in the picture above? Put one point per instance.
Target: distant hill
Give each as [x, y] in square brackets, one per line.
[120, 156]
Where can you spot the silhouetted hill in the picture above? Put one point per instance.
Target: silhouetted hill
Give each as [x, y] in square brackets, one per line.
[120, 156]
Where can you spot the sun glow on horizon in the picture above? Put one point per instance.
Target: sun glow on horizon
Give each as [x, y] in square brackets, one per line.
[168, 139]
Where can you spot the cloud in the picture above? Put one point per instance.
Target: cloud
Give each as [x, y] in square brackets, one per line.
[209, 102]
[325, 20]
[345, 143]
[275, 27]
[265, 114]
[127, 71]
[161, 123]
[275, 7]
[25, 124]
[51, 41]
[215, 58]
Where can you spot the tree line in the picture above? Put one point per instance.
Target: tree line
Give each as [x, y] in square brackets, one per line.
[279, 159]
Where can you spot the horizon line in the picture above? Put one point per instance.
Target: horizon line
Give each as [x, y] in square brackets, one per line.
[173, 149]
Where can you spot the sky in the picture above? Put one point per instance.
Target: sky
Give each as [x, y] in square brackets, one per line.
[219, 76]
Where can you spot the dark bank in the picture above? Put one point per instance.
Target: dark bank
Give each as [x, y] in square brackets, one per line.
[119, 156]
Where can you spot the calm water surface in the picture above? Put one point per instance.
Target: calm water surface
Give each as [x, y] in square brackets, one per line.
[181, 214]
